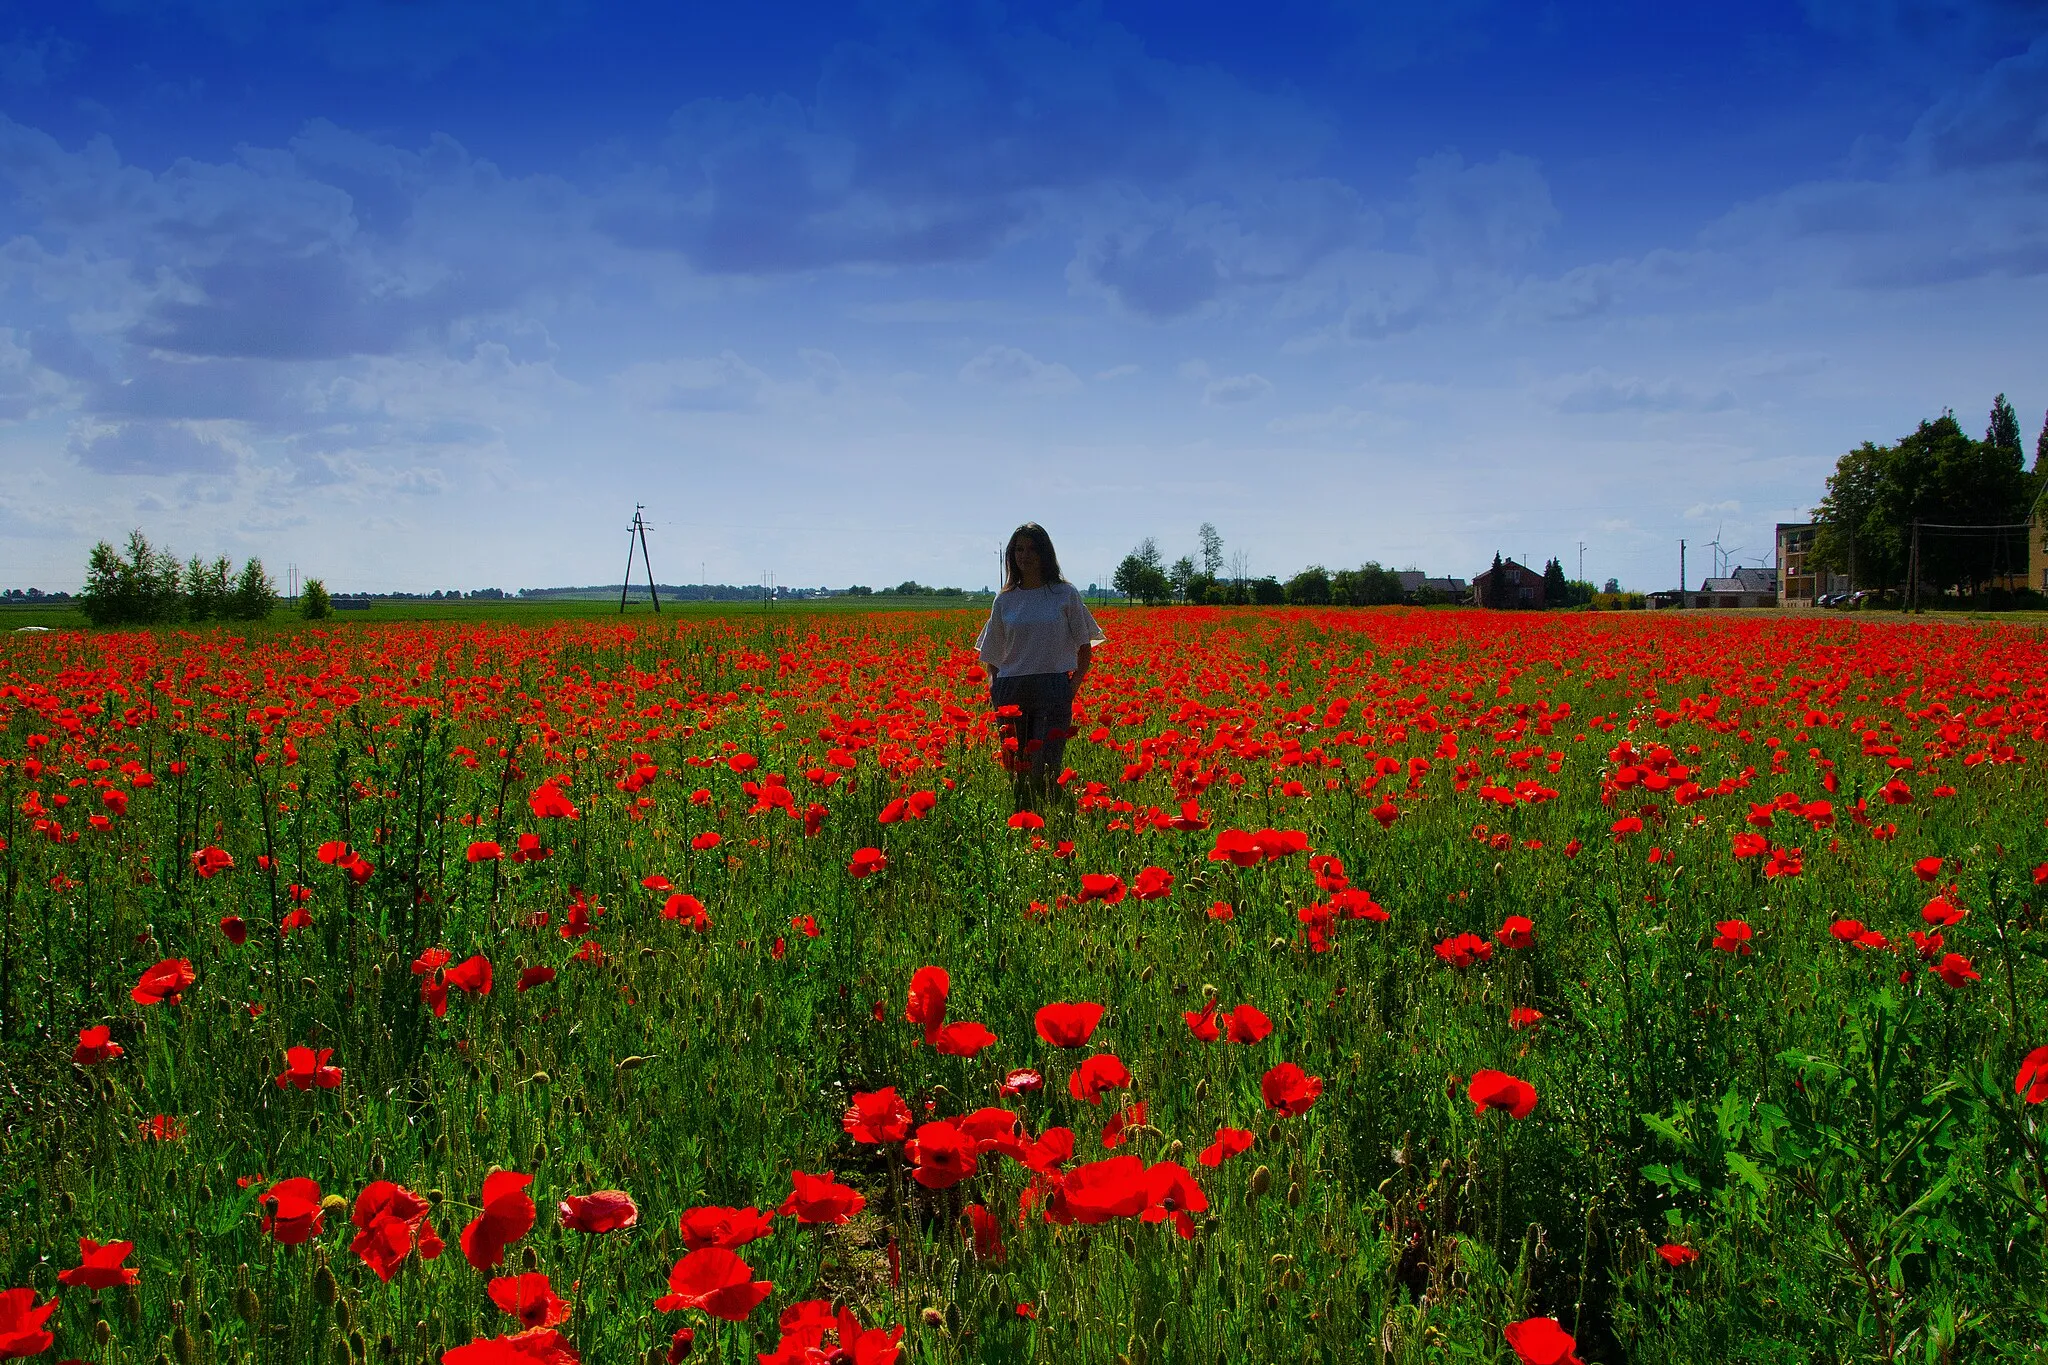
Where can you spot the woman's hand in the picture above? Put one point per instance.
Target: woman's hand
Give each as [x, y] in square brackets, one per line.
[1082, 659]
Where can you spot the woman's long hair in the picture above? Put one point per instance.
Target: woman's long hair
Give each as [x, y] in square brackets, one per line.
[1048, 558]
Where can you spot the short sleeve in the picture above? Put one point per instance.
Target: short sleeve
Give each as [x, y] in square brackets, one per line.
[990, 643]
[1081, 626]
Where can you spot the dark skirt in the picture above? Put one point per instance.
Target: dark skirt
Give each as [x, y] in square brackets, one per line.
[1046, 701]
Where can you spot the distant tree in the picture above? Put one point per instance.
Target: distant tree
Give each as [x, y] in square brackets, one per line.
[1496, 585]
[1577, 593]
[1310, 587]
[1148, 554]
[1369, 586]
[1203, 587]
[1266, 592]
[255, 596]
[858, 591]
[141, 589]
[1554, 590]
[208, 588]
[1211, 541]
[314, 603]
[1141, 580]
[1612, 585]
[2002, 434]
[2041, 449]
[1180, 575]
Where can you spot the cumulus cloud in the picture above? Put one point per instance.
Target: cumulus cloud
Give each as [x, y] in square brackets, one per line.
[1234, 389]
[1019, 371]
[1597, 391]
[720, 383]
[154, 448]
[1485, 216]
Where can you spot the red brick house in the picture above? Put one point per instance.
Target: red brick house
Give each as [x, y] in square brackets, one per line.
[1521, 587]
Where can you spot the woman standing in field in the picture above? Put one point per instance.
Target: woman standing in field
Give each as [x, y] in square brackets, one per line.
[1037, 646]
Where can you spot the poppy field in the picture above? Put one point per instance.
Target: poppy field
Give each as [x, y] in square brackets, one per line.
[1377, 986]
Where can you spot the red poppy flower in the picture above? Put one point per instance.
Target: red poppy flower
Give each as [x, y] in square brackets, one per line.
[1516, 931]
[1927, 945]
[867, 861]
[1289, 1090]
[1202, 1023]
[1677, 1257]
[1956, 970]
[534, 976]
[1025, 819]
[1847, 930]
[539, 1346]
[963, 1039]
[687, 910]
[391, 1221]
[1785, 862]
[21, 1325]
[296, 919]
[1065, 1024]
[1099, 1191]
[1732, 936]
[941, 1154]
[1019, 1081]
[709, 839]
[210, 861]
[234, 929]
[99, 1266]
[95, 1045]
[549, 802]
[1053, 1149]
[988, 1235]
[530, 1297]
[926, 1003]
[1541, 1341]
[877, 1116]
[714, 1225]
[472, 977]
[1942, 912]
[1229, 1143]
[484, 851]
[1153, 883]
[1522, 1017]
[291, 1210]
[508, 1215]
[1131, 1116]
[679, 1345]
[1927, 869]
[1462, 950]
[1246, 1024]
[1171, 1193]
[163, 983]
[1498, 1090]
[716, 1281]
[604, 1211]
[2031, 1085]
[1751, 845]
[1106, 887]
[1103, 1071]
[304, 1069]
[821, 1199]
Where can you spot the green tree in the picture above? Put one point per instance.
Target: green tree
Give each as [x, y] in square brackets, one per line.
[1211, 541]
[2003, 432]
[1140, 580]
[1554, 589]
[1310, 587]
[2041, 450]
[208, 588]
[1180, 575]
[1496, 593]
[255, 596]
[314, 603]
[1266, 592]
[141, 588]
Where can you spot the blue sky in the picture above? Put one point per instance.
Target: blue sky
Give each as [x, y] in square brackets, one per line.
[428, 295]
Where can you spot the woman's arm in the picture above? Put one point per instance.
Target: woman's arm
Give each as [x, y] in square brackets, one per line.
[1082, 658]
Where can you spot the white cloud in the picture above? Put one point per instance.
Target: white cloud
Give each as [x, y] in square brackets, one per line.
[1007, 367]
[1236, 388]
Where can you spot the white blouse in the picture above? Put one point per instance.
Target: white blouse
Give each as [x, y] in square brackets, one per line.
[1037, 630]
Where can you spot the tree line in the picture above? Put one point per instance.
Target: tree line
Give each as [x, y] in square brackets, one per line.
[1201, 579]
[144, 585]
[1940, 478]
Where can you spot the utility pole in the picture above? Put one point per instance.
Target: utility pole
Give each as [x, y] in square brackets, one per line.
[1582, 561]
[1681, 575]
[636, 535]
[1913, 571]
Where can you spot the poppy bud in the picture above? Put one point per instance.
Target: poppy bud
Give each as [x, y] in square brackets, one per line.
[1159, 1331]
[102, 1332]
[66, 1204]
[325, 1290]
[344, 1315]
[340, 1354]
[760, 1007]
[1202, 1090]
[248, 1307]
[1145, 977]
[540, 1152]
[1294, 1196]
[933, 1317]
[182, 1346]
[1139, 1355]
[1262, 1180]
[188, 1283]
[529, 1260]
